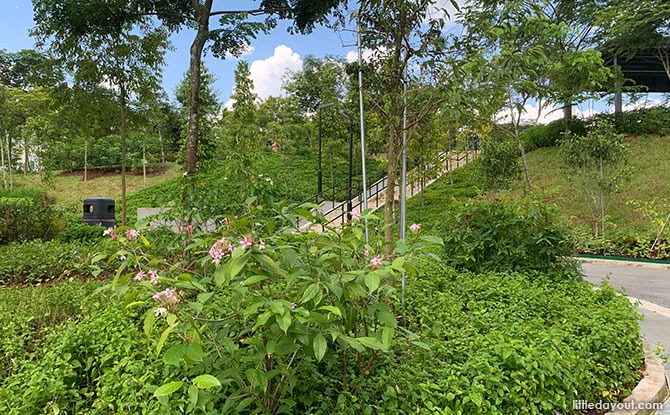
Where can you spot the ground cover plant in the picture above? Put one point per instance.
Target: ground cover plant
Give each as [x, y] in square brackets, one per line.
[253, 319]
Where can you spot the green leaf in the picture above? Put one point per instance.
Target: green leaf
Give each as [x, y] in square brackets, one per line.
[371, 343]
[387, 336]
[206, 381]
[432, 239]
[236, 264]
[168, 388]
[284, 322]
[163, 338]
[332, 309]
[310, 293]
[174, 354]
[320, 346]
[149, 320]
[194, 352]
[193, 394]
[254, 279]
[372, 281]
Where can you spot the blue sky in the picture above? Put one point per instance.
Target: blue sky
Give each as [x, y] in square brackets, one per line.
[269, 57]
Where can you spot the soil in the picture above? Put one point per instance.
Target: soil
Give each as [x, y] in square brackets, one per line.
[95, 173]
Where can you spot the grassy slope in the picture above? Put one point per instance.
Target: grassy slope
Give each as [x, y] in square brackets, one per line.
[70, 191]
[649, 161]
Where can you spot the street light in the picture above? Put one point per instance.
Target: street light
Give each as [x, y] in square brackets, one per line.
[320, 171]
[351, 154]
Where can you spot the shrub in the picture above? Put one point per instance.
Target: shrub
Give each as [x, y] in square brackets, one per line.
[508, 343]
[96, 365]
[499, 161]
[549, 135]
[29, 314]
[30, 215]
[38, 262]
[505, 234]
[642, 121]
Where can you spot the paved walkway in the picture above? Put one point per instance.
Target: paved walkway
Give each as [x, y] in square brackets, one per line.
[649, 285]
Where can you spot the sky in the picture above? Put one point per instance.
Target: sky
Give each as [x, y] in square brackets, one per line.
[269, 57]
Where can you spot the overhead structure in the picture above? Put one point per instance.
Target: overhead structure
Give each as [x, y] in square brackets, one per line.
[649, 68]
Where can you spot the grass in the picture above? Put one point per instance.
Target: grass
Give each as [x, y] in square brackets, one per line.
[649, 163]
[70, 191]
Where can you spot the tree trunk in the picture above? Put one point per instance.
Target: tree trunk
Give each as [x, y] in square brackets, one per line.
[393, 146]
[26, 164]
[122, 100]
[86, 159]
[2, 166]
[9, 159]
[567, 116]
[203, 12]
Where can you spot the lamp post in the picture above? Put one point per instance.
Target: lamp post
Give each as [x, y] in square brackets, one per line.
[320, 171]
[351, 155]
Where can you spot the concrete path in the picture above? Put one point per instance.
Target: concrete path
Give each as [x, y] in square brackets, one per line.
[651, 286]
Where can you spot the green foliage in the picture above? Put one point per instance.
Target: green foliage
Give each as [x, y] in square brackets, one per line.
[37, 262]
[505, 234]
[499, 161]
[29, 314]
[445, 194]
[623, 244]
[96, 365]
[29, 216]
[642, 121]
[255, 317]
[595, 164]
[507, 343]
[549, 135]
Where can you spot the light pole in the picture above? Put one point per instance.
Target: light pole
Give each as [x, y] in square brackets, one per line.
[351, 155]
[320, 171]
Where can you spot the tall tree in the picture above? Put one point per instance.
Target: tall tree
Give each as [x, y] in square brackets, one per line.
[100, 41]
[209, 108]
[401, 32]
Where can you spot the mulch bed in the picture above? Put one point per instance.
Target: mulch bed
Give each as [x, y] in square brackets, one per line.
[95, 173]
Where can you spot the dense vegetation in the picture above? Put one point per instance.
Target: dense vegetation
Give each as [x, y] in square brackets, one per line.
[496, 342]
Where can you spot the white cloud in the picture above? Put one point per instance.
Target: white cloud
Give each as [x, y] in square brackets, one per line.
[547, 115]
[267, 74]
[642, 104]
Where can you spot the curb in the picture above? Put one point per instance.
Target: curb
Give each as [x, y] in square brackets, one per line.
[653, 388]
[623, 263]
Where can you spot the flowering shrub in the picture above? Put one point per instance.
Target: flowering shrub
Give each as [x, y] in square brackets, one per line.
[246, 323]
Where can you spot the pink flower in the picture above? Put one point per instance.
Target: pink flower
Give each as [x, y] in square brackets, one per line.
[376, 261]
[247, 241]
[153, 277]
[167, 297]
[415, 227]
[261, 245]
[160, 311]
[131, 234]
[111, 232]
[293, 305]
[139, 276]
[189, 230]
[355, 216]
[366, 253]
[220, 248]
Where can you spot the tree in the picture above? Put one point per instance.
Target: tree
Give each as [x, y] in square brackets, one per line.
[596, 165]
[99, 41]
[209, 107]
[400, 32]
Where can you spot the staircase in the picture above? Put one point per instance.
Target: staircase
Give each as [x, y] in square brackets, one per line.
[336, 212]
